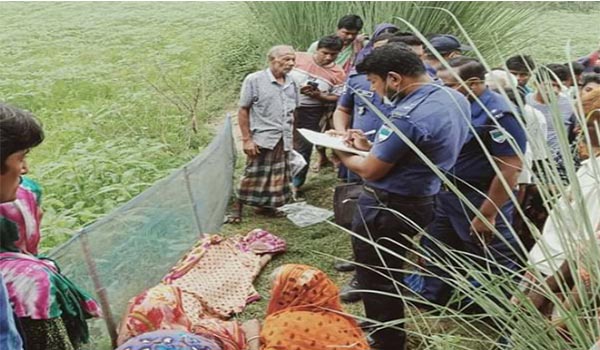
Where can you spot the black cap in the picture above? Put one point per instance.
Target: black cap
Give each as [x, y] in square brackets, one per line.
[445, 43]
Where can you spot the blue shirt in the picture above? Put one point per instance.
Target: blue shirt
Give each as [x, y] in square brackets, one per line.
[9, 336]
[435, 119]
[363, 117]
[472, 165]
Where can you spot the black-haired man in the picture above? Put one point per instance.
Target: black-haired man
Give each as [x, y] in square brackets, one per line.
[412, 41]
[348, 28]
[521, 66]
[435, 120]
[455, 225]
[321, 82]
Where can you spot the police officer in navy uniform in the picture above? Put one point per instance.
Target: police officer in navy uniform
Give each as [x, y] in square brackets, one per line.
[433, 118]
[455, 225]
[352, 112]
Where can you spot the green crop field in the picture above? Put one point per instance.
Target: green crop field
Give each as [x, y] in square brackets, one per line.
[120, 88]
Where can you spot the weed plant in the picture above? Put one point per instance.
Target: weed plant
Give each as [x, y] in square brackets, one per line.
[103, 78]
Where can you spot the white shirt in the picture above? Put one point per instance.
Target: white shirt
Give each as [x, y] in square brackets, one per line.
[566, 228]
[537, 132]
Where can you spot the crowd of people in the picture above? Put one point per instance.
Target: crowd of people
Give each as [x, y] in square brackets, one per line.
[453, 150]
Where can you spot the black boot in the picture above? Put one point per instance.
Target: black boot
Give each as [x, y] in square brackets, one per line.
[343, 266]
[348, 293]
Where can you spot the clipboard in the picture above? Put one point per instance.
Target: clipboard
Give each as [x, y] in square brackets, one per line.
[321, 139]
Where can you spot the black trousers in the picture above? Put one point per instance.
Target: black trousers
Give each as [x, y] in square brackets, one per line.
[306, 118]
[376, 223]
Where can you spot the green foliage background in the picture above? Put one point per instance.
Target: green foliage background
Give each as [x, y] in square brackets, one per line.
[87, 70]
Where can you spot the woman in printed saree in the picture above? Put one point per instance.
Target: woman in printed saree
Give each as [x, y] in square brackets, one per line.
[52, 311]
[162, 308]
[209, 284]
[305, 313]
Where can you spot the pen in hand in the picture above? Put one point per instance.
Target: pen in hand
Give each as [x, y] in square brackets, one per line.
[370, 132]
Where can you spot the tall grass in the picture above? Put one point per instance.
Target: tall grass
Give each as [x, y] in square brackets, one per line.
[496, 28]
[503, 321]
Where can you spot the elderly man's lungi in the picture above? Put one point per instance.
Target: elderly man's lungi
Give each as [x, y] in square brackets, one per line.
[266, 179]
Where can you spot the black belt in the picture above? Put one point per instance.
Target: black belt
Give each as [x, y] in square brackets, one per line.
[467, 187]
[385, 196]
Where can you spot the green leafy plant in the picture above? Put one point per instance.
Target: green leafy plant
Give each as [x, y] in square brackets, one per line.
[496, 29]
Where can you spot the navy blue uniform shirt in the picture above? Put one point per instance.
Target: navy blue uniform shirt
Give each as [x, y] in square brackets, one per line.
[435, 119]
[472, 165]
[363, 117]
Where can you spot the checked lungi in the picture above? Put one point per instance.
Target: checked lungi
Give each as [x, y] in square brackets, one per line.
[266, 179]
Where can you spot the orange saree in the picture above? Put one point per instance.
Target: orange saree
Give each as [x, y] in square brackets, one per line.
[305, 313]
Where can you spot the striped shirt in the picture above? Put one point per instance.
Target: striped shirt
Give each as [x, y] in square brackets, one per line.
[329, 79]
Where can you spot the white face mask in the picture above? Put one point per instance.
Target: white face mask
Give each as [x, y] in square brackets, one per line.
[389, 99]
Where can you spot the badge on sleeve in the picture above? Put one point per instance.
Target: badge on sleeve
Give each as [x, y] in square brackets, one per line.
[384, 133]
[498, 136]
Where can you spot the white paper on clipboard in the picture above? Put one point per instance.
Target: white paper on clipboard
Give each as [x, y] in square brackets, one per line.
[321, 139]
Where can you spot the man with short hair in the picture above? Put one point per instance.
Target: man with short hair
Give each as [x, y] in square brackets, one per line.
[412, 41]
[397, 180]
[448, 46]
[578, 69]
[267, 103]
[320, 81]
[353, 113]
[521, 67]
[348, 28]
[456, 226]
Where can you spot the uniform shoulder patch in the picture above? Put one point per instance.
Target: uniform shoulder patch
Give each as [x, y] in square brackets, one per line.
[498, 135]
[384, 133]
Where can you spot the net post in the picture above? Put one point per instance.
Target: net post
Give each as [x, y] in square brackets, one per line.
[100, 290]
[192, 200]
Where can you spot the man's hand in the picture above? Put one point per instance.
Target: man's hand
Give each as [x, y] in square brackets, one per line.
[481, 230]
[353, 138]
[537, 299]
[314, 93]
[251, 149]
[357, 139]
[309, 90]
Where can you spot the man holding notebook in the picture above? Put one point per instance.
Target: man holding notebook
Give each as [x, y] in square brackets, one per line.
[397, 181]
